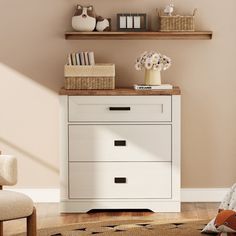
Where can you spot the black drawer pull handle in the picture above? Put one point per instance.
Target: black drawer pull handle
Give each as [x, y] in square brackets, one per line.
[119, 143]
[120, 180]
[119, 108]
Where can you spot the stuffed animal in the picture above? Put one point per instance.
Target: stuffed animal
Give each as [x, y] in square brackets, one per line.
[169, 9]
[102, 24]
[226, 222]
[85, 19]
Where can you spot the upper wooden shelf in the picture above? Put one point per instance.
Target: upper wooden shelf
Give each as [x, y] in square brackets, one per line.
[198, 35]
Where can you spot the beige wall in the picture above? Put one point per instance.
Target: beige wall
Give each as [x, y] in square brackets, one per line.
[32, 54]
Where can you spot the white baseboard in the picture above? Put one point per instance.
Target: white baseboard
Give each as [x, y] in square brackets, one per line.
[187, 194]
[203, 194]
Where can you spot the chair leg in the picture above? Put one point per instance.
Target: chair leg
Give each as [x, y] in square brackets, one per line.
[1, 228]
[32, 224]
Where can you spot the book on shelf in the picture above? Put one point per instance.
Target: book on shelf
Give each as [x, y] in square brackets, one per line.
[81, 59]
[86, 58]
[81, 56]
[77, 59]
[74, 63]
[91, 58]
[153, 87]
[69, 60]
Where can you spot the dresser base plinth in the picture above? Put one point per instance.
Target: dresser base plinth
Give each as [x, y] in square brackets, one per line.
[83, 206]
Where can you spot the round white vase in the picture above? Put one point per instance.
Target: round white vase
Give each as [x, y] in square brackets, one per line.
[152, 77]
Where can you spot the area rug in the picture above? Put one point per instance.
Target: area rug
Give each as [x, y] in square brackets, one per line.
[127, 228]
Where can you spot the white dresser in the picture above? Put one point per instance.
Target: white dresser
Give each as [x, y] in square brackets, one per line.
[120, 149]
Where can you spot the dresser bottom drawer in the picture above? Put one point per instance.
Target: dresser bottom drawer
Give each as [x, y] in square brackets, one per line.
[120, 180]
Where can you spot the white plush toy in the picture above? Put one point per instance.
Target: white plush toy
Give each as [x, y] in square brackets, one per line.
[84, 19]
[169, 9]
[102, 24]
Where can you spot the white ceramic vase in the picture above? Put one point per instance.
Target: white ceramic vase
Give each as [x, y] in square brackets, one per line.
[152, 77]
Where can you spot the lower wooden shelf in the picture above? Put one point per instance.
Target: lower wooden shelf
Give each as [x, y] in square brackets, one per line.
[197, 35]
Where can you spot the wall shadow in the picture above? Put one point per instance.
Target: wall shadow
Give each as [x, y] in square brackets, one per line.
[31, 156]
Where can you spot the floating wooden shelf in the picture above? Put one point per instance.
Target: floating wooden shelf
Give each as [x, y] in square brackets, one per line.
[198, 35]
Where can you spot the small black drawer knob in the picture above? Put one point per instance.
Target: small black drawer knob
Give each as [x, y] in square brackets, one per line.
[120, 180]
[120, 143]
[119, 108]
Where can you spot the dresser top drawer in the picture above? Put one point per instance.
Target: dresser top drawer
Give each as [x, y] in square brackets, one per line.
[119, 108]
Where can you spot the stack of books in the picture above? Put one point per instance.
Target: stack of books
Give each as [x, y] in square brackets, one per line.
[153, 87]
[81, 59]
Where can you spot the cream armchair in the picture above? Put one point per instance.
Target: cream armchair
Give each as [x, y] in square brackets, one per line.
[14, 205]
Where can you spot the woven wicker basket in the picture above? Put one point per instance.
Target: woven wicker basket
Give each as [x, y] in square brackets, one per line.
[99, 76]
[177, 22]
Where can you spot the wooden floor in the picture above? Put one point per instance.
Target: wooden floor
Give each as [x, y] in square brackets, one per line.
[49, 215]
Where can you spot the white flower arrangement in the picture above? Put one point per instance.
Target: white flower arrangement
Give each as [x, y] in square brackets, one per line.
[152, 60]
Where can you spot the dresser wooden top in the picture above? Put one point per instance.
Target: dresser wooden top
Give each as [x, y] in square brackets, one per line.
[119, 92]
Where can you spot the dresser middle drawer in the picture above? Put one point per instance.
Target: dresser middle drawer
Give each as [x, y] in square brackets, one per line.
[120, 143]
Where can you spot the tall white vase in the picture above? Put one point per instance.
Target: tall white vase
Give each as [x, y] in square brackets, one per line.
[152, 77]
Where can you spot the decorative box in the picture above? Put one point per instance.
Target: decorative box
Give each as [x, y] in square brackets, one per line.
[177, 22]
[99, 76]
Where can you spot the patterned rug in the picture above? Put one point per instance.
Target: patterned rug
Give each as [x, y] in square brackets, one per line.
[127, 228]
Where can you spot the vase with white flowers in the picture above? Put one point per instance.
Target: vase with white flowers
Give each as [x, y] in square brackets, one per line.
[153, 63]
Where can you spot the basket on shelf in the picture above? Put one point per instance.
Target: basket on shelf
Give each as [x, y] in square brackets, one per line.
[99, 76]
[177, 22]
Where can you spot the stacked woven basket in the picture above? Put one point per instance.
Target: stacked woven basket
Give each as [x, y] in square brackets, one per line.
[177, 22]
[99, 76]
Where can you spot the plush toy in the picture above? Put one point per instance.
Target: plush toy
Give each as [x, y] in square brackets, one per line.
[169, 9]
[226, 222]
[85, 19]
[102, 24]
